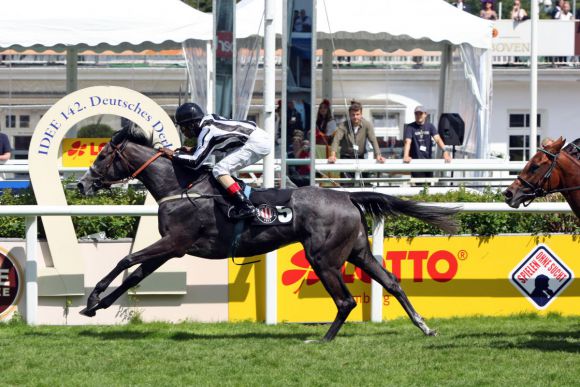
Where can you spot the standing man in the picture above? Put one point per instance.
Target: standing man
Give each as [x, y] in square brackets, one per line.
[417, 144]
[5, 148]
[352, 135]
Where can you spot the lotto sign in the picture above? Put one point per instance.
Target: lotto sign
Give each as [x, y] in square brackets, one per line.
[81, 152]
[442, 276]
[541, 276]
[10, 282]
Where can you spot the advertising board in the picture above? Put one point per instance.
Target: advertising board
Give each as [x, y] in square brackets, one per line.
[443, 277]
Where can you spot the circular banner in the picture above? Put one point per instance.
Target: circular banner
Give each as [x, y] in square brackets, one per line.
[10, 283]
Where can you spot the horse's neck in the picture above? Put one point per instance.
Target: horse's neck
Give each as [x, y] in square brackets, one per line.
[158, 177]
[569, 170]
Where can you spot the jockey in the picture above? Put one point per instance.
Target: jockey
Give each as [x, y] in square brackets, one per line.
[242, 141]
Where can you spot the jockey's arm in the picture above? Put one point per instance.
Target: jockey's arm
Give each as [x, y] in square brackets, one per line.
[187, 160]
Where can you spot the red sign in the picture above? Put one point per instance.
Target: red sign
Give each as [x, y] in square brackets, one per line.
[225, 45]
[419, 262]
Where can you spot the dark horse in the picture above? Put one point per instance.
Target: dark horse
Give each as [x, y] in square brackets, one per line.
[330, 225]
[552, 169]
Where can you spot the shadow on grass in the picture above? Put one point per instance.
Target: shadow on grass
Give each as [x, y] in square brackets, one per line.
[116, 335]
[564, 341]
[185, 336]
[549, 341]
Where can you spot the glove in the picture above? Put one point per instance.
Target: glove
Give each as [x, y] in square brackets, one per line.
[167, 152]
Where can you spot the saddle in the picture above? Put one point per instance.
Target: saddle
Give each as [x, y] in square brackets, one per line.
[272, 203]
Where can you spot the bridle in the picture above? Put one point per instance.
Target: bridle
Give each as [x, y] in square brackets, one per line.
[118, 150]
[538, 190]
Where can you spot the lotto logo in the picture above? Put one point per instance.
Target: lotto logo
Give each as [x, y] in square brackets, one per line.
[541, 276]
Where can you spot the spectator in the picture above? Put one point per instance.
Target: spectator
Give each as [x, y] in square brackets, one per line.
[302, 22]
[518, 13]
[306, 22]
[325, 123]
[565, 12]
[555, 12]
[352, 135]
[488, 12]
[462, 6]
[5, 148]
[417, 137]
[294, 129]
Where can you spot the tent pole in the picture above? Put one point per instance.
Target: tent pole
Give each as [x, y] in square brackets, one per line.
[534, 81]
[269, 122]
[443, 75]
[327, 73]
[71, 69]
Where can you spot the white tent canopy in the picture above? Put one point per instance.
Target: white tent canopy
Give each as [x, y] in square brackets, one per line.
[390, 25]
[101, 25]
[380, 24]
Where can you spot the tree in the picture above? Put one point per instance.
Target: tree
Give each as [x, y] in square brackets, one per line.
[95, 131]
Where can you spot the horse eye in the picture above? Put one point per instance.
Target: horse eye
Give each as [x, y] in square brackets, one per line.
[534, 168]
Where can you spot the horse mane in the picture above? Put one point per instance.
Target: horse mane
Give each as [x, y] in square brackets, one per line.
[133, 134]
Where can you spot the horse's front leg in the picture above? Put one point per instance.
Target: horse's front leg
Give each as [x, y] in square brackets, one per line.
[132, 280]
[154, 256]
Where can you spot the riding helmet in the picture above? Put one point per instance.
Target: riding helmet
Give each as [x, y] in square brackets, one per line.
[188, 112]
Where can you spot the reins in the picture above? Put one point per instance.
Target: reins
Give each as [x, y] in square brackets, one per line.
[118, 151]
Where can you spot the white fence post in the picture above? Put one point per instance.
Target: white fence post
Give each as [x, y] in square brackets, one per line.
[376, 288]
[31, 271]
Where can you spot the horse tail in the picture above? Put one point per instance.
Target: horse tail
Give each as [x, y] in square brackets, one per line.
[379, 205]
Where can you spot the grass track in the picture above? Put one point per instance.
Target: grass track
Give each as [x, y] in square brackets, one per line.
[516, 350]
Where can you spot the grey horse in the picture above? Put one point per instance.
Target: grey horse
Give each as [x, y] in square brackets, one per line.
[331, 225]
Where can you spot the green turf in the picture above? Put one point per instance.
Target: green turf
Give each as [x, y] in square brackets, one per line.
[517, 351]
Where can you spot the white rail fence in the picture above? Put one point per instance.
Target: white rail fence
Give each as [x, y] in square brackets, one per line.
[31, 212]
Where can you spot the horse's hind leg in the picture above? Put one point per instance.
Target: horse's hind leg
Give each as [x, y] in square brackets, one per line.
[326, 263]
[362, 257]
[331, 278]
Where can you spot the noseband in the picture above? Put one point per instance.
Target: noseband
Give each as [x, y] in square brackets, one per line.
[100, 181]
[538, 190]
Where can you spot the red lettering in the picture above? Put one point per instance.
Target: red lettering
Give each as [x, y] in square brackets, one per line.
[432, 266]
[418, 257]
[396, 257]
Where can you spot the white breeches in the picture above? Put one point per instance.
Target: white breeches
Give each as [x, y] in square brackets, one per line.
[257, 146]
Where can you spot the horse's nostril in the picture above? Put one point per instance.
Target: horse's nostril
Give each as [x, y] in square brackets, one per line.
[81, 188]
[508, 194]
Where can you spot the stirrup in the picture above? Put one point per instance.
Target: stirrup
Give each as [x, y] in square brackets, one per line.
[237, 213]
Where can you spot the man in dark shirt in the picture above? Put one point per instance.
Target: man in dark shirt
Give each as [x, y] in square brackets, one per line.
[417, 144]
[5, 148]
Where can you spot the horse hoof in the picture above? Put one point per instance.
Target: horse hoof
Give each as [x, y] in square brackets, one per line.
[431, 332]
[89, 312]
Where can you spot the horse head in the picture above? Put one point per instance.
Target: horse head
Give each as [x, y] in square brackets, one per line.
[537, 177]
[114, 164]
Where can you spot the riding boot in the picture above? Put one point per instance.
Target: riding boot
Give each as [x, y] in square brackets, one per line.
[243, 207]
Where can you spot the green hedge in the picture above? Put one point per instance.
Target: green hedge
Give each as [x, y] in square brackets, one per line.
[115, 227]
[487, 223]
[482, 224]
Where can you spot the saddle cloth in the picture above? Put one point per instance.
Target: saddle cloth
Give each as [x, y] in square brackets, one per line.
[272, 205]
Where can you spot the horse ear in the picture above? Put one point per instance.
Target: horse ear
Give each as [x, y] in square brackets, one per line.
[559, 143]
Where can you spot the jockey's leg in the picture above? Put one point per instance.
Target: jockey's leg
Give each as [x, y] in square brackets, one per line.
[255, 149]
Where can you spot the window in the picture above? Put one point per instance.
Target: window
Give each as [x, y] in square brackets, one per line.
[519, 136]
[10, 121]
[25, 121]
